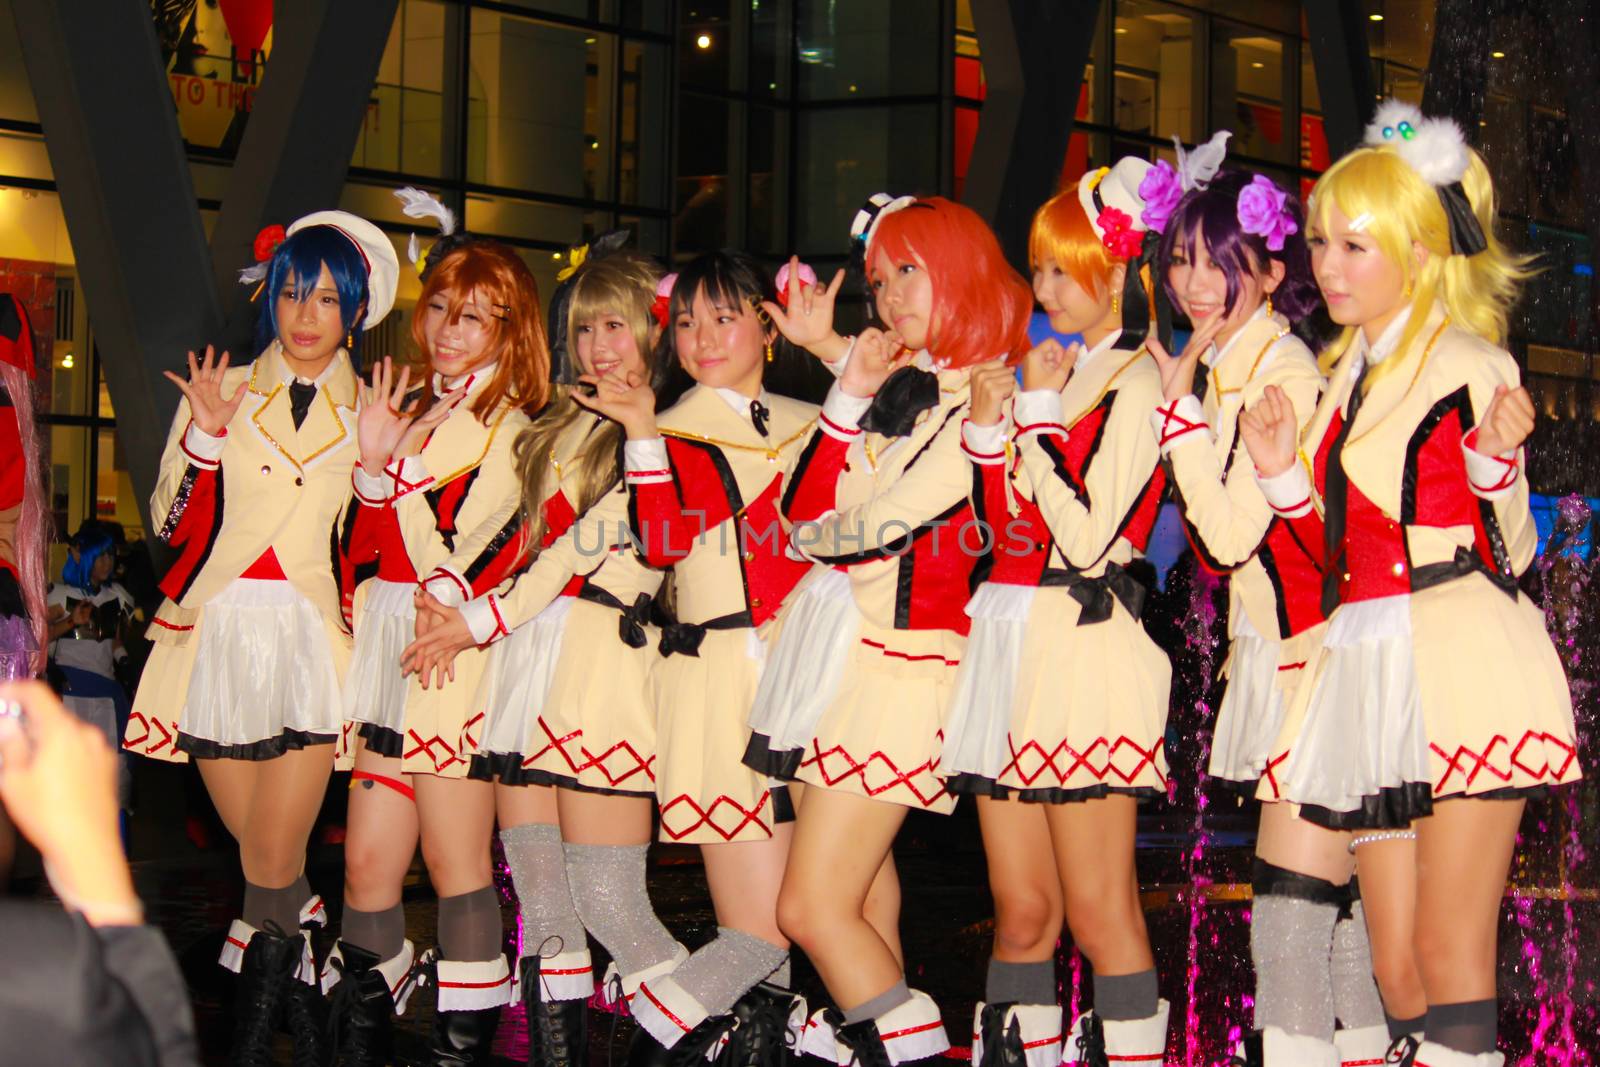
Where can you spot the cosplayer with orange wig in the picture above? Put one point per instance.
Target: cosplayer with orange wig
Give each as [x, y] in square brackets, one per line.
[431, 470]
[854, 699]
[1061, 699]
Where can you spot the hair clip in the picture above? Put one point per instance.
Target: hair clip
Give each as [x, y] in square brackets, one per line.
[663, 301]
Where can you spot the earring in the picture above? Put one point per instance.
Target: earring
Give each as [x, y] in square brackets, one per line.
[1407, 293]
[1269, 305]
[350, 341]
[769, 351]
[1116, 303]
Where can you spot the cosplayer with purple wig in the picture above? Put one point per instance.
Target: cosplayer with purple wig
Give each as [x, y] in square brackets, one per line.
[1234, 258]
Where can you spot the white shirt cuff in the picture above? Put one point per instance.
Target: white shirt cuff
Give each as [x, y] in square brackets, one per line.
[1038, 411]
[1182, 419]
[408, 475]
[645, 461]
[203, 449]
[841, 414]
[1288, 493]
[447, 587]
[984, 445]
[370, 489]
[1489, 477]
[483, 619]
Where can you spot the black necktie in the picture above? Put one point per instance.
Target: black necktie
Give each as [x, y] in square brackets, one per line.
[758, 416]
[301, 394]
[1335, 502]
[904, 395]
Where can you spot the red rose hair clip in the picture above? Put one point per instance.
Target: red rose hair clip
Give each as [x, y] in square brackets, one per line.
[1121, 239]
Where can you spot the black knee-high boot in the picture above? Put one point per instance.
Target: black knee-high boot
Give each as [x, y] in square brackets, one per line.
[270, 961]
[558, 1030]
[362, 1024]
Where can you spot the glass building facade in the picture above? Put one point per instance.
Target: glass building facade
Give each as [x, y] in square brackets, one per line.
[762, 125]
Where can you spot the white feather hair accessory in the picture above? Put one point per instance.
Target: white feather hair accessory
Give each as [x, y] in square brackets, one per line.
[1433, 147]
[419, 204]
[1197, 168]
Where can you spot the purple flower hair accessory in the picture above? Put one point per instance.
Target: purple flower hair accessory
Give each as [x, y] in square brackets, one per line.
[1262, 212]
[1160, 190]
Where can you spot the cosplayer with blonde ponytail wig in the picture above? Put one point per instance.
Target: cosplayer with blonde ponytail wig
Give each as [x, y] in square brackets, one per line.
[1404, 211]
[1436, 705]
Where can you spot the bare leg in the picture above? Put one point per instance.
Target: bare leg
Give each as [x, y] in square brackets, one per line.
[380, 837]
[1388, 871]
[1100, 884]
[1463, 855]
[1023, 878]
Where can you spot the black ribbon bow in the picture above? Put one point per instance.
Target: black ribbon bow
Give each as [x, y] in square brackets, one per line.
[907, 393]
[758, 416]
[1136, 302]
[1466, 235]
[1464, 562]
[1098, 596]
[631, 621]
[301, 394]
[681, 637]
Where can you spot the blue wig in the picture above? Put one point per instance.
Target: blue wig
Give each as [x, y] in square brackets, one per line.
[298, 262]
[79, 572]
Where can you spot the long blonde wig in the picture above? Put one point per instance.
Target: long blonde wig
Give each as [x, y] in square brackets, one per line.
[622, 284]
[1403, 210]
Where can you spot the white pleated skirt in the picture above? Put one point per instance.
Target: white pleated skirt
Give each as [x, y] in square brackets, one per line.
[517, 677]
[817, 631]
[1253, 706]
[264, 677]
[375, 689]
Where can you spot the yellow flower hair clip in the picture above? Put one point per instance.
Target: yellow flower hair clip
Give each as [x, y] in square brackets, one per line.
[575, 260]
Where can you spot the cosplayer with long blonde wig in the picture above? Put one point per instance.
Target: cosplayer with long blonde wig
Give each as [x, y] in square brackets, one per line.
[571, 738]
[433, 472]
[1436, 705]
[854, 699]
[251, 644]
[24, 521]
[1058, 661]
[1234, 260]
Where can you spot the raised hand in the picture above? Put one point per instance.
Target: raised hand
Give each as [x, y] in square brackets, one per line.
[1048, 365]
[992, 384]
[1271, 432]
[809, 321]
[625, 399]
[1177, 372]
[210, 410]
[877, 355]
[442, 634]
[384, 429]
[1507, 423]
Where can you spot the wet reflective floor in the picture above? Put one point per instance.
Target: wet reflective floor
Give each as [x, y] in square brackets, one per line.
[1196, 896]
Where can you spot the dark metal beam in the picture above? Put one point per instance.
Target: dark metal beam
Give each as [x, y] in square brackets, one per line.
[1338, 34]
[123, 179]
[1034, 55]
[153, 287]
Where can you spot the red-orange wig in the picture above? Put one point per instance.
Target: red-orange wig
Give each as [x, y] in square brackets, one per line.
[1061, 232]
[498, 275]
[981, 305]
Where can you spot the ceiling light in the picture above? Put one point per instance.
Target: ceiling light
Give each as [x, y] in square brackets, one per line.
[1122, 29]
[1498, 55]
[703, 41]
[1375, 17]
[1257, 66]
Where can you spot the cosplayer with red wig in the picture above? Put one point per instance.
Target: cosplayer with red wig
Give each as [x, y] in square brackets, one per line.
[854, 699]
[1058, 662]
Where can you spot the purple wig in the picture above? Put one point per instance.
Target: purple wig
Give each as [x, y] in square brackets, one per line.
[1213, 214]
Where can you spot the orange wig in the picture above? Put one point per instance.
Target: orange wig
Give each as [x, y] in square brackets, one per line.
[981, 305]
[1061, 232]
[499, 277]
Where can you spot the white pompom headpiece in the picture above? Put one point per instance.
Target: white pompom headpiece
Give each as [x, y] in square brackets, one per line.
[1437, 150]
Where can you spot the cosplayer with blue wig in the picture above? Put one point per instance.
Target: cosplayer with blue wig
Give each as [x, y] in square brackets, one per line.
[252, 640]
[87, 613]
[1233, 259]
